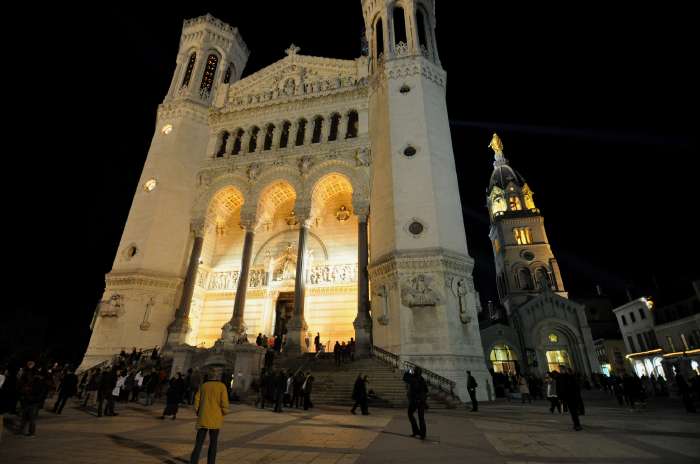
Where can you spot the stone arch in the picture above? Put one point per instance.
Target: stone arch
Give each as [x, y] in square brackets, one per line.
[357, 177]
[271, 174]
[541, 330]
[206, 194]
[271, 194]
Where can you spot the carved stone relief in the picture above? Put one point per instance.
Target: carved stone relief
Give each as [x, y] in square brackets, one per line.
[417, 292]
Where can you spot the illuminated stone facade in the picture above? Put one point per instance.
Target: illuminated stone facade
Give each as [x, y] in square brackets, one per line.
[262, 198]
[541, 326]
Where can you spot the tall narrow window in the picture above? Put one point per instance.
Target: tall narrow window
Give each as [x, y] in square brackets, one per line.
[630, 341]
[379, 38]
[640, 340]
[514, 203]
[524, 279]
[685, 342]
[222, 148]
[641, 313]
[209, 72]
[671, 346]
[335, 122]
[237, 142]
[422, 35]
[227, 74]
[352, 125]
[399, 26]
[624, 319]
[634, 319]
[523, 235]
[542, 278]
[301, 131]
[189, 69]
[253, 144]
[268, 137]
[318, 125]
[284, 136]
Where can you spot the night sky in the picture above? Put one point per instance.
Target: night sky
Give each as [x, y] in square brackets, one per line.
[597, 109]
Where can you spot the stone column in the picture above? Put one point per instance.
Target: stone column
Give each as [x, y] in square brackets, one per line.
[277, 135]
[363, 321]
[180, 327]
[326, 127]
[229, 144]
[308, 131]
[293, 129]
[343, 126]
[236, 328]
[297, 327]
[245, 141]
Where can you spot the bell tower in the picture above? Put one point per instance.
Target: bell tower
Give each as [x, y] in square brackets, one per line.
[525, 264]
[424, 304]
[144, 290]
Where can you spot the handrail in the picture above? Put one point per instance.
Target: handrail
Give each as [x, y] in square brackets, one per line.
[432, 378]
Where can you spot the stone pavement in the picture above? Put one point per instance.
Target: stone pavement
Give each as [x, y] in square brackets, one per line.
[507, 433]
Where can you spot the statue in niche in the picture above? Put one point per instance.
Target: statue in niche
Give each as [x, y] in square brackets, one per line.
[289, 87]
[305, 164]
[253, 171]
[362, 157]
[418, 293]
[461, 291]
[286, 269]
[291, 219]
[342, 214]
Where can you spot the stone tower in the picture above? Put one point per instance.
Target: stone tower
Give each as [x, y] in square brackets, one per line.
[149, 285]
[424, 305]
[525, 264]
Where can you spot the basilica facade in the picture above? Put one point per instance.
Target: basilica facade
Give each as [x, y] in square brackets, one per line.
[314, 196]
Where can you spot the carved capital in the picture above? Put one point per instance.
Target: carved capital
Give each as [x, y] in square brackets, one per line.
[199, 227]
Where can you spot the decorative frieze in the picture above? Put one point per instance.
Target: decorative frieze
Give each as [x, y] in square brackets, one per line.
[323, 275]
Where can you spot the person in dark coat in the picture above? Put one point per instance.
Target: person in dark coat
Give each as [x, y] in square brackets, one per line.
[307, 388]
[471, 389]
[684, 391]
[417, 399]
[108, 381]
[33, 388]
[359, 394]
[569, 393]
[280, 385]
[174, 396]
[67, 388]
[297, 394]
[336, 352]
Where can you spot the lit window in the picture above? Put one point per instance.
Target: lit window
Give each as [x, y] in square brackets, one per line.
[523, 235]
[168, 128]
[150, 185]
[189, 69]
[209, 71]
[514, 203]
[553, 338]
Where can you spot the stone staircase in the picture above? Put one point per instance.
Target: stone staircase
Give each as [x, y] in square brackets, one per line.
[333, 384]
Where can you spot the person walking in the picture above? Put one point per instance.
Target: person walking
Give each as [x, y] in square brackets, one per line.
[211, 405]
[471, 389]
[317, 342]
[551, 392]
[336, 352]
[417, 399]
[307, 388]
[684, 391]
[92, 388]
[108, 383]
[524, 389]
[174, 396]
[33, 388]
[67, 388]
[297, 393]
[569, 393]
[359, 394]
[280, 385]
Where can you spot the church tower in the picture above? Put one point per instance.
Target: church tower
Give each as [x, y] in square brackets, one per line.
[525, 264]
[147, 286]
[424, 305]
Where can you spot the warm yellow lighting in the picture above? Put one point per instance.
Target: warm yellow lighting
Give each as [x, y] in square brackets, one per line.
[553, 338]
[168, 128]
[650, 303]
[523, 235]
[680, 353]
[150, 185]
[527, 196]
[514, 203]
[644, 353]
[496, 246]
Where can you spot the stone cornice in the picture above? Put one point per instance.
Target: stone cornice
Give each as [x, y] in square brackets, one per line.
[142, 279]
[400, 68]
[183, 108]
[426, 260]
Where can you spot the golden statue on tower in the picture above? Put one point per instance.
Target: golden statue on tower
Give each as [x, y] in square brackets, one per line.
[496, 145]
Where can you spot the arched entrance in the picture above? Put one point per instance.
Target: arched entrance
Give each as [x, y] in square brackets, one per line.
[504, 360]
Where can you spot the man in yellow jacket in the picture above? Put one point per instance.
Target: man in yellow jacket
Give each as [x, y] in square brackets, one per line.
[211, 404]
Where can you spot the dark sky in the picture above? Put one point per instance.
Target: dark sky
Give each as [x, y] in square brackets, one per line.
[597, 108]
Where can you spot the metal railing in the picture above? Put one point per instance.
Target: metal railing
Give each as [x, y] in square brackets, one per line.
[433, 379]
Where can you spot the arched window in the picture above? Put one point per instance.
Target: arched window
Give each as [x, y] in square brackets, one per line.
[422, 33]
[318, 124]
[542, 278]
[268, 137]
[222, 147]
[379, 38]
[514, 203]
[237, 142]
[209, 72]
[524, 279]
[301, 131]
[335, 122]
[399, 26]
[227, 74]
[253, 144]
[189, 69]
[503, 359]
[352, 125]
[284, 136]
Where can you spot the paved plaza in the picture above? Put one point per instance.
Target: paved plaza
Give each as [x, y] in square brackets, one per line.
[500, 432]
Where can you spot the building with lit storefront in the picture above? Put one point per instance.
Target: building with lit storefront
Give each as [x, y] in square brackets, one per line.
[661, 340]
[538, 328]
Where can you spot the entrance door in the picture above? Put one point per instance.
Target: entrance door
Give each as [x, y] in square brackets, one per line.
[284, 308]
[556, 358]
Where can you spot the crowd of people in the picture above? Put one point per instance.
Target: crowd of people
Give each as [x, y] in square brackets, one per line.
[280, 388]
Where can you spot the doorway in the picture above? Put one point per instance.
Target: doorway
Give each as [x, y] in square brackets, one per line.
[284, 309]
